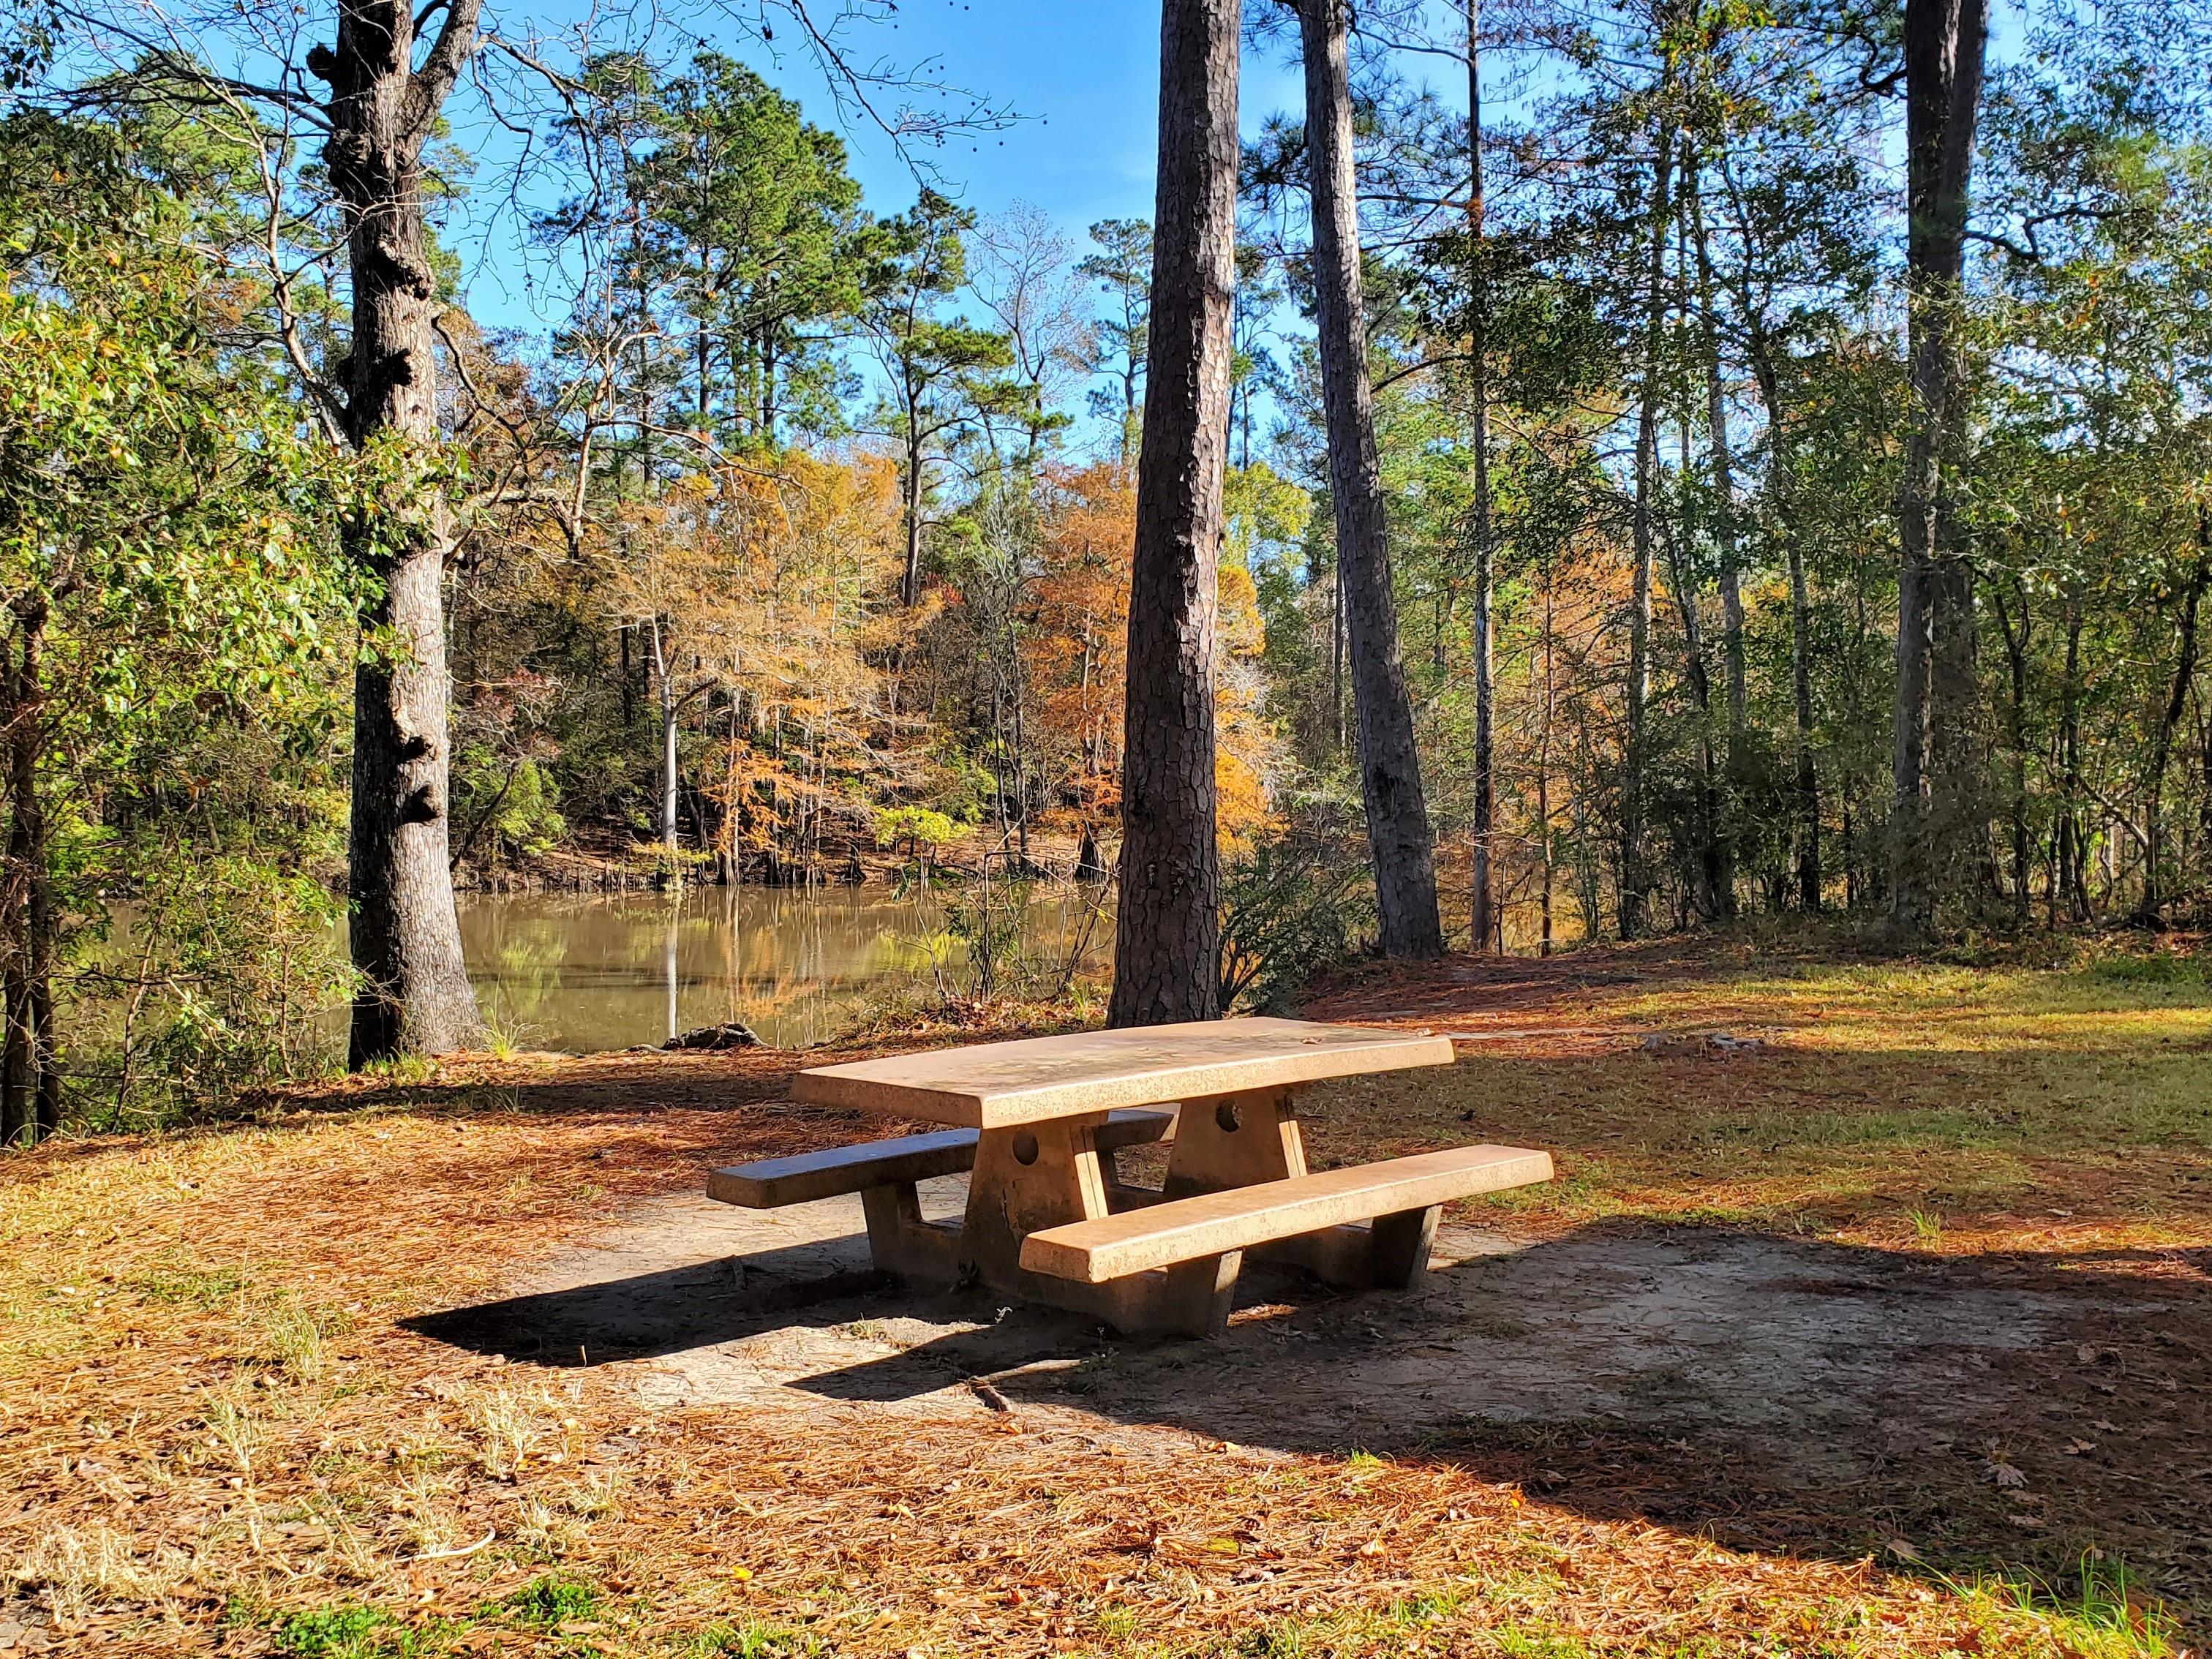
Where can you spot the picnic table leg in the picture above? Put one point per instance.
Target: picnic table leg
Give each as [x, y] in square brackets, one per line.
[1237, 1141]
[1052, 1172]
[1400, 1246]
[900, 1242]
[1026, 1179]
[1194, 1300]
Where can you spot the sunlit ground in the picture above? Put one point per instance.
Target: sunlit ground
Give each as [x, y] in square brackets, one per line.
[215, 1434]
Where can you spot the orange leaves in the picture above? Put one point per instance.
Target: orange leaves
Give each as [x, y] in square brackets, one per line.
[1076, 652]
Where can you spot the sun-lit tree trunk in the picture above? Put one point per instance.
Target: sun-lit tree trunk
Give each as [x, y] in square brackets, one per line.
[2016, 632]
[1168, 922]
[910, 481]
[1635, 876]
[413, 994]
[1725, 534]
[1397, 832]
[1713, 882]
[30, 1075]
[2151, 912]
[1483, 910]
[671, 780]
[1935, 835]
[2072, 840]
[1544, 848]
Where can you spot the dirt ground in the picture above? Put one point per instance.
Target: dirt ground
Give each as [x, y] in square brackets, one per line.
[1781, 1391]
[1884, 1327]
[1816, 1365]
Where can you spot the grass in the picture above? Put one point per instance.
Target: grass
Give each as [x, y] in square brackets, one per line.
[217, 1432]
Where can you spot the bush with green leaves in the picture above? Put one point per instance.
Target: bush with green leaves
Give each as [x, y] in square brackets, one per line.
[919, 829]
[504, 810]
[176, 618]
[1293, 905]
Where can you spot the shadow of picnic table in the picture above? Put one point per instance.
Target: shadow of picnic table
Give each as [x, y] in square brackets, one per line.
[1776, 1392]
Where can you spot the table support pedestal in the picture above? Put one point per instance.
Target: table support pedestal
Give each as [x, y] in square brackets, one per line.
[1052, 1172]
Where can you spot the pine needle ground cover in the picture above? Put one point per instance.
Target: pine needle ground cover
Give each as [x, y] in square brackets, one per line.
[231, 1422]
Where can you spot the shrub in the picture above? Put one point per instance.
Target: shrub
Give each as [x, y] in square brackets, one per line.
[1289, 907]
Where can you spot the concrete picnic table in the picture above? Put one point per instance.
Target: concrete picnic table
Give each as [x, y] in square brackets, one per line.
[1047, 1218]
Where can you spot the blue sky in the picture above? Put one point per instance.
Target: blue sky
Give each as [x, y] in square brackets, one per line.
[1082, 75]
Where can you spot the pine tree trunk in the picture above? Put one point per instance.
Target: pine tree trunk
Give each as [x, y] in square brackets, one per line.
[414, 993]
[1544, 777]
[2151, 913]
[1809, 774]
[2072, 840]
[1483, 916]
[671, 780]
[17, 1084]
[1715, 883]
[1725, 526]
[30, 1089]
[1731, 561]
[1168, 922]
[1389, 763]
[1934, 835]
[1759, 349]
[910, 581]
[2016, 643]
[1635, 876]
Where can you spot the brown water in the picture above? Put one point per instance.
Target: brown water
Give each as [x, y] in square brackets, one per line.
[582, 974]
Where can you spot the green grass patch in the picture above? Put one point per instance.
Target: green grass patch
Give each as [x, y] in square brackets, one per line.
[553, 1600]
[755, 1640]
[2158, 967]
[340, 1632]
[209, 1288]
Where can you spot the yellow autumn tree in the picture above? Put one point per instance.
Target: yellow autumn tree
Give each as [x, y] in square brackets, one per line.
[761, 595]
[1077, 660]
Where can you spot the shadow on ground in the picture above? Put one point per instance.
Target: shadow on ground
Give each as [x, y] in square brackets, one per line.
[1776, 1392]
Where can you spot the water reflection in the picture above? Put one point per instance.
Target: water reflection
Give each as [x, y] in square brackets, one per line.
[581, 975]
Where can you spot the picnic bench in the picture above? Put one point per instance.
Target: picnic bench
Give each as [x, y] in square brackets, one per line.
[1048, 1219]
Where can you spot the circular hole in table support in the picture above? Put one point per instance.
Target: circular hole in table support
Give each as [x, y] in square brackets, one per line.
[1025, 1148]
[1229, 1117]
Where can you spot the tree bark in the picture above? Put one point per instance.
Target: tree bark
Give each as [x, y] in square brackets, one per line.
[1725, 535]
[1544, 850]
[17, 1085]
[2151, 913]
[1934, 839]
[1168, 922]
[1725, 524]
[413, 994]
[2073, 841]
[1635, 878]
[1715, 894]
[1808, 767]
[671, 780]
[1483, 928]
[910, 580]
[1389, 763]
[30, 1089]
[2016, 643]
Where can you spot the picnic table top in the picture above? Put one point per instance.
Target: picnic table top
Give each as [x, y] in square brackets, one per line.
[996, 1085]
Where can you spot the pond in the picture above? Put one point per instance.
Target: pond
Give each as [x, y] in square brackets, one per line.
[582, 974]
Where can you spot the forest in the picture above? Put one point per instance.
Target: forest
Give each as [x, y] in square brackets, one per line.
[1679, 462]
